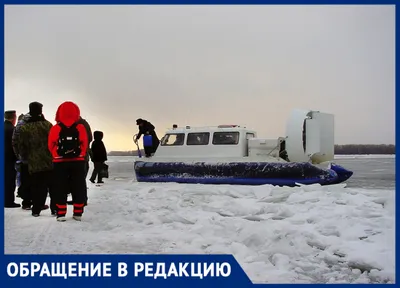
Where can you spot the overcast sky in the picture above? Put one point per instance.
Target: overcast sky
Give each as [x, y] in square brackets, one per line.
[205, 65]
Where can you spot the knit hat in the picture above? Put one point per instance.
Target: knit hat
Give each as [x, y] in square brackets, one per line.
[35, 108]
[9, 114]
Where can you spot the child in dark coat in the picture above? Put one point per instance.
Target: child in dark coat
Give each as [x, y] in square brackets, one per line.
[98, 155]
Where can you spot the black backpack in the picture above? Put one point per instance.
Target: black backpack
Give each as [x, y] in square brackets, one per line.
[69, 145]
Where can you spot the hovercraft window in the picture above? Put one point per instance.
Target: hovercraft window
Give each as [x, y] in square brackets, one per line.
[198, 138]
[249, 135]
[173, 139]
[225, 138]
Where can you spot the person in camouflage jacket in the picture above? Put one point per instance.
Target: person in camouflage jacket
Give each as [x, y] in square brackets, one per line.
[32, 148]
[22, 164]
[16, 139]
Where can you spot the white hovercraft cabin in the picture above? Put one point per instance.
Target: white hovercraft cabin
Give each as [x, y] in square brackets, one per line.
[310, 138]
[211, 141]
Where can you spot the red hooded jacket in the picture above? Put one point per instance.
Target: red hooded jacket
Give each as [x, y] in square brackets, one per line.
[67, 113]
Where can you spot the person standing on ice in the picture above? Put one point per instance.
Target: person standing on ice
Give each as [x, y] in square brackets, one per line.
[10, 174]
[87, 155]
[87, 158]
[32, 145]
[68, 143]
[146, 128]
[24, 188]
[99, 156]
[90, 139]
[18, 163]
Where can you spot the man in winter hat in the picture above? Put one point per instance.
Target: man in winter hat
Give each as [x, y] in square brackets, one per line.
[33, 147]
[10, 118]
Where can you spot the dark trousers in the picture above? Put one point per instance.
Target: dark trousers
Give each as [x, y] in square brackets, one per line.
[87, 172]
[148, 150]
[98, 166]
[87, 168]
[69, 174]
[24, 190]
[10, 177]
[70, 185]
[51, 190]
[70, 189]
[40, 182]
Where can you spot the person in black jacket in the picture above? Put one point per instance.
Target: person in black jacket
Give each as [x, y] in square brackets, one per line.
[10, 174]
[90, 138]
[99, 156]
[146, 128]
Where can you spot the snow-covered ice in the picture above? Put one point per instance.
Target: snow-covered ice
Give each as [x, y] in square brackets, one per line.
[366, 156]
[308, 234]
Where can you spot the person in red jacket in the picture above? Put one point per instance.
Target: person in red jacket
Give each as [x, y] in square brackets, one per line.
[68, 144]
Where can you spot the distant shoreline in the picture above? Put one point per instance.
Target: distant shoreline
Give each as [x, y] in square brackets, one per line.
[348, 149]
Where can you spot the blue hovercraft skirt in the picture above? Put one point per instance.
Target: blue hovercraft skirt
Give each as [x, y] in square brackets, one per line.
[240, 173]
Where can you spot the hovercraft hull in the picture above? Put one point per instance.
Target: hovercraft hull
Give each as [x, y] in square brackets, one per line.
[240, 173]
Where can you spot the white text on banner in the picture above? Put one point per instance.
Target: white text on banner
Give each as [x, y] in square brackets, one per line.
[104, 269]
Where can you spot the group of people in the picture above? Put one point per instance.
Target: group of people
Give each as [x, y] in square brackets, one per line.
[54, 159]
[51, 159]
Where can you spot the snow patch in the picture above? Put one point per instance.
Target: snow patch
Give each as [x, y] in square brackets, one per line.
[306, 234]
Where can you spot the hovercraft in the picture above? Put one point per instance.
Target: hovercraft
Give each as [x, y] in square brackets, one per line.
[232, 154]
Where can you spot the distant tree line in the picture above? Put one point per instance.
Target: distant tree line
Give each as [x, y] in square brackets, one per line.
[124, 153]
[365, 149]
[348, 149]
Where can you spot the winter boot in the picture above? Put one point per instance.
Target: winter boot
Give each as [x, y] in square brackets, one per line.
[61, 218]
[77, 218]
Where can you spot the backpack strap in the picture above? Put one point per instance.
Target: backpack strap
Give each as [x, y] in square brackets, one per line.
[62, 125]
